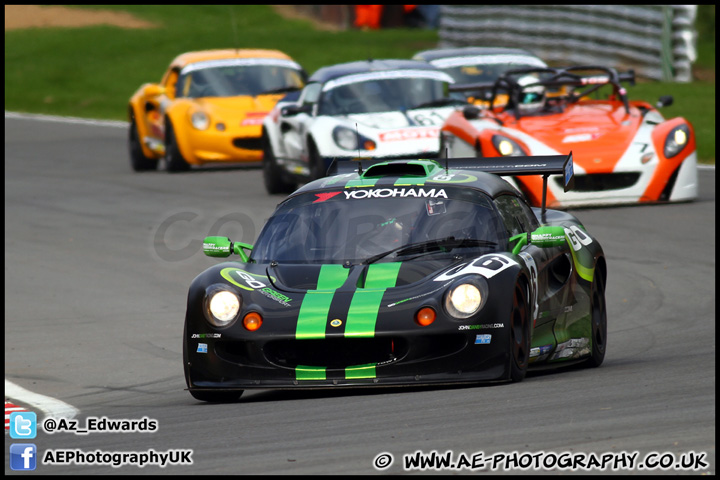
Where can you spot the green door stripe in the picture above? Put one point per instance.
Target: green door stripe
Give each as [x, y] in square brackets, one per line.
[360, 371]
[313, 314]
[365, 304]
[309, 373]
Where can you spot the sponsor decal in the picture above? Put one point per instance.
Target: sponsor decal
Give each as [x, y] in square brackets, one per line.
[481, 327]
[236, 62]
[482, 339]
[488, 266]
[206, 335]
[243, 279]
[540, 352]
[254, 118]
[453, 178]
[395, 193]
[595, 80]
[277, 296]
[573, 348]
[580, 137]
[492, 59]
[202, 348]
[410, 134]
[387, 74]
[322, 197]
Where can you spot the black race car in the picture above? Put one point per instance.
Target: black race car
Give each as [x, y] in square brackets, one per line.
[399, 273]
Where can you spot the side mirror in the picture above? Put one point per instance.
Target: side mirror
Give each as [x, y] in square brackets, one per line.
[471, 112]
[221, 247]
[292, 110]
[665, 101]
[153, 90]
[543, 237]
[548, 237]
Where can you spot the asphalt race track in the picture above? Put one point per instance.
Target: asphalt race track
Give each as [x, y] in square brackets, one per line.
[98, 260]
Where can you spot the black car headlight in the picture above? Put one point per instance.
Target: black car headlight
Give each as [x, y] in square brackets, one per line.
[507, 147]
[348, 139]
[221, 305]
[676, 140]
[466, 297]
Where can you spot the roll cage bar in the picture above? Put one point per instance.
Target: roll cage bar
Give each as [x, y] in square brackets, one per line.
[553, 77]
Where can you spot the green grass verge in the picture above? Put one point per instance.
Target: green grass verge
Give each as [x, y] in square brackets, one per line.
[92, 71]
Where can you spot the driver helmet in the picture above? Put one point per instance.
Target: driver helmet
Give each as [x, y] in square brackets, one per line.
[532, 99]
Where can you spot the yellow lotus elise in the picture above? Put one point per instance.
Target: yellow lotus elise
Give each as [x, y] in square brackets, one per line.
[209, 107]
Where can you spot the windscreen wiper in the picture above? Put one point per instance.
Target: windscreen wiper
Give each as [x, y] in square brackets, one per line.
[443, 244]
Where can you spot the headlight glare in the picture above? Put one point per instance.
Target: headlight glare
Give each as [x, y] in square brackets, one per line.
[507, 147]
[466, 298]
[221, 306]
[200, 120]
[345, 138]
[349, 139]
[676, 140]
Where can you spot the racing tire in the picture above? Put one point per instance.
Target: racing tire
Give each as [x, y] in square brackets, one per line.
[519, 334]
[598, 322]
[272, 174]
[174, 160]
[138, 160]
[316, 165]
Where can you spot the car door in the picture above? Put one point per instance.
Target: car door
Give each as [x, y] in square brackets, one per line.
[550, 268]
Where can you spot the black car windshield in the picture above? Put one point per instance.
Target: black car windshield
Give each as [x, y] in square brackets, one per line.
[228, 80]
[366, 225]
[382, 95]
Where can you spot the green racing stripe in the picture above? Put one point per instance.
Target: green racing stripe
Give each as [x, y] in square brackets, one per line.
[365, 304]
[313, 314]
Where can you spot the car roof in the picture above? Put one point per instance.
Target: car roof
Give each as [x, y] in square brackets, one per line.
[202, 55]
[408, 173]
[436, 53]
[332, 72]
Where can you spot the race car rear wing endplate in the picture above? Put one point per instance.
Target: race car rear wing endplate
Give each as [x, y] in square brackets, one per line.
[544, 165]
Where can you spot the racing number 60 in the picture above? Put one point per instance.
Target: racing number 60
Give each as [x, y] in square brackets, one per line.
[577, 237]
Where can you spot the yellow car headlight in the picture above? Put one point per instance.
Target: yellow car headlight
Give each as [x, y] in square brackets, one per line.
[200, 120]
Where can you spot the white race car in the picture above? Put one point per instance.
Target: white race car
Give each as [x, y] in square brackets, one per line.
[388, 109]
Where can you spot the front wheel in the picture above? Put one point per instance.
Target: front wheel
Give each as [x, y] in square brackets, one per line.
[272, 174]
[173, 157]
[138, 160]
[598, 322]
[519, 334]
[317, 164]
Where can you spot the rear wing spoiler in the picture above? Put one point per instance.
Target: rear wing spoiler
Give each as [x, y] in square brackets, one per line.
[544, 165]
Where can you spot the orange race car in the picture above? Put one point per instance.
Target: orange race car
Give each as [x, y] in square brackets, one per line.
[624, 151]
[209, 107]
